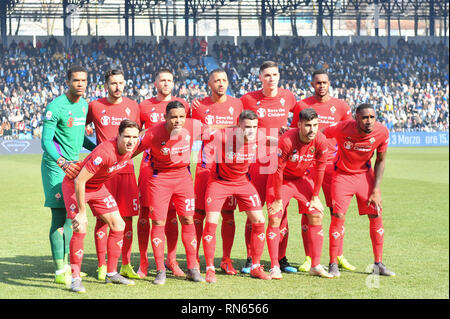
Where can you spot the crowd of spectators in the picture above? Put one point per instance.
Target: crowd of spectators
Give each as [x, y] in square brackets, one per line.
[407, 82]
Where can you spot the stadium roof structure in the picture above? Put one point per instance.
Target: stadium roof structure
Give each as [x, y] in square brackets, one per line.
[262, 10]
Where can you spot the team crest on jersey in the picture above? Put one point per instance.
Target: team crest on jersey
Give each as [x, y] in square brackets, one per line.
[48, 115]
[332, 109]
[165, 151]
[372, 140]
[282, 101]
[97, 161]
[231, 110]
[128, 111]
[209, 119]
[105, 120]
[312, 150]
[261, 112]
[57, 195]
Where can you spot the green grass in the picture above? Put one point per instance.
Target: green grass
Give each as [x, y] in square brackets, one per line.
[415, 198]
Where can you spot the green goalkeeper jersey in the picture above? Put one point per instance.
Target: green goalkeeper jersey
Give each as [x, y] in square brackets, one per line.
[62, 135]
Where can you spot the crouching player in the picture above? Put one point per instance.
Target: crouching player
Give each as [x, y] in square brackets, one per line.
[236, 148]
[105, 161]
[297, 150]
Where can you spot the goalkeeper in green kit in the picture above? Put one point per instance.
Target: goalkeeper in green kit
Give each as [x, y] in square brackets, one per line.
[62, 139]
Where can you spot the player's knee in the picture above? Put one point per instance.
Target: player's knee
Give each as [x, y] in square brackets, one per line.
[186, 220]
[274, 221]
[315, 219]
[338, 215]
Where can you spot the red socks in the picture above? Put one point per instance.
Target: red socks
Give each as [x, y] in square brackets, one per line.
[227, 231]
[100, 239]
[258, 237]
[305, 235]
[248, 237]
[158, 244]
[188, 236]
[377, 237]
[114, 249]
[315, 234]
[76, 253]
[209, 243]
[336, 234]
[127, 241]
[198, 224]
[143, 231]
[273, 242]
[171, 231]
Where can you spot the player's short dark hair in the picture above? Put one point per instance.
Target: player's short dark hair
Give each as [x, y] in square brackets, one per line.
[111, 72]
[217, 70]
[268, 64]
[74, 69]
[174, 105]
[319, 72]
[127, 124]
[163, 70]
[363, 107]
[247, 115]
[307, 115]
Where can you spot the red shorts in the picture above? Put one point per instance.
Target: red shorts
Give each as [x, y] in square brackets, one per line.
[344, 186]
[299, 188]
[100, 201]
[258, 178]
[124, 189]
[201, 182]
[243, 191]
[164, 188]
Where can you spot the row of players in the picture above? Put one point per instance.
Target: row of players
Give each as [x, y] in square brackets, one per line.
[303, 162]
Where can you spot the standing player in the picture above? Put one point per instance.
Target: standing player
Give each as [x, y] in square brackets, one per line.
[217, 111]
[331, 111]
[152, 112]
[62, 139]
[105, 161]
[237, 148]
[169, 145]
[272, 106]
[297, 150]
[106, 114]
[357, 141]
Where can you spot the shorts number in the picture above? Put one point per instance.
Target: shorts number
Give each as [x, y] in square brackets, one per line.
[110, 202]
[135, 204]
[255, 200]
[190, 204]
[232, 201]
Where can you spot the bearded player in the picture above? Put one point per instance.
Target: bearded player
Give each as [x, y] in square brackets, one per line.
[331, 111]
[297, 150]
[152, 112]
[217, 111]
[105, 161]
[106, 114]
[357, 142]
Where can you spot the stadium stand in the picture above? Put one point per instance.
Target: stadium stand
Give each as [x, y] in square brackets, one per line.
[407, 82]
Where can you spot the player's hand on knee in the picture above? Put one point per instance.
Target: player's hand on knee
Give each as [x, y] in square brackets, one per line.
[274, 207]
[79, 222]
[375, 200]
[71, 168]
[316, 204]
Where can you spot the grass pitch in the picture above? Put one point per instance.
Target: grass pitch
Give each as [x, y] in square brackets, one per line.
[415, 192]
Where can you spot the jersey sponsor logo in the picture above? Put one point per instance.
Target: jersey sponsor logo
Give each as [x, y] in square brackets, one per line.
[294, 158]
[261, 112]
[117, 167]
[105, 120]
[209, 119]
[70, 122]
[165, 151]
[154, 117]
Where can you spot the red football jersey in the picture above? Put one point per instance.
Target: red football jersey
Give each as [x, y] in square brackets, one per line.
[295, 157]
[152, 111]
[168, 153]
[329, 113]
[105, 162]
[272, 112]
[211, 113]
[107, 117]
[233, 159]
[355, 149]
